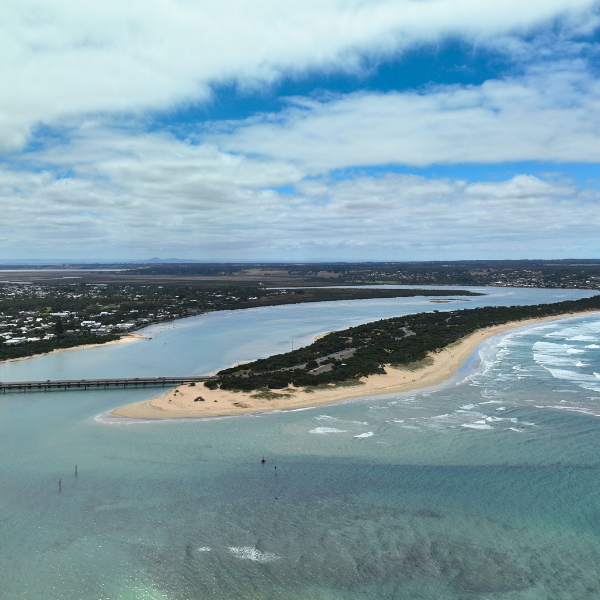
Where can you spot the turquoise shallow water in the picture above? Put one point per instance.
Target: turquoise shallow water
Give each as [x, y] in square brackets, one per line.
[484, 489]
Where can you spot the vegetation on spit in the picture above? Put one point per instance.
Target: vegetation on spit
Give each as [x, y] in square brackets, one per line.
[59, 342]
[361, 351]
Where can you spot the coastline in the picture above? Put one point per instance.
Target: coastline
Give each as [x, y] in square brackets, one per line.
[434, 370]
[130, 337]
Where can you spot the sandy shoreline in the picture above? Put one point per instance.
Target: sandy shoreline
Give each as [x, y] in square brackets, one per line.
[130, 337]
[437, 368]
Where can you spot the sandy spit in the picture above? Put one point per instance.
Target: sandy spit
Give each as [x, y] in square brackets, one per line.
[130, 337]
[437, 368]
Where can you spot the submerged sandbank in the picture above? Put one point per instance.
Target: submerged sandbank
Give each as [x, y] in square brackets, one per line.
[437, 368]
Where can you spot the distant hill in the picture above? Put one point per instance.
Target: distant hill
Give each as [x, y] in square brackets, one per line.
[155, 259]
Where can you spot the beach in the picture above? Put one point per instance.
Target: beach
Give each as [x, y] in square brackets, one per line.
[198, 401]
[130, 337]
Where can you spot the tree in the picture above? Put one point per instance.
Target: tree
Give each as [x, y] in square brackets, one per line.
[58, 328]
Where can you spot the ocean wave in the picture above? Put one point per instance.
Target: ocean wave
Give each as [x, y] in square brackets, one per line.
[477, 425]
[547, 353]
[322, 430]
[576, 409]
[572, 375]
[545, 360]
[502, 419]
[367, 434]
[467, 419]
[575, 330]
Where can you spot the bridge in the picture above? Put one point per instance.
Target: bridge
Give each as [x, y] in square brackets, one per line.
[69, 384]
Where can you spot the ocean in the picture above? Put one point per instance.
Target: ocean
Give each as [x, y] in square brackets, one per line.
[485, 488]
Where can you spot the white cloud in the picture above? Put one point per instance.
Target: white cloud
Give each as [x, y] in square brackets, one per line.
[139, 196]
[550, 114]
[107, 192]
[66, 58]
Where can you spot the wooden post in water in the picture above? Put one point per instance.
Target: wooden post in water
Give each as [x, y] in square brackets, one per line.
[75, 469]
[59, 485]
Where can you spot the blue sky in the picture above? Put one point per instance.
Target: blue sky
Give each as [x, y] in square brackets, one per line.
[372, 130]
[452, 61]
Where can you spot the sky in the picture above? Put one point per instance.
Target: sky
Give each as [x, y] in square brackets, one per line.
[337, 130]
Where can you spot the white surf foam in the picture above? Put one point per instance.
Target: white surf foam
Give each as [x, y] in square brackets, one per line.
[551, 354]
[477, 425]
[322, 430]
[249, 553]
[573, 376]
[367, 434]
[110, 419]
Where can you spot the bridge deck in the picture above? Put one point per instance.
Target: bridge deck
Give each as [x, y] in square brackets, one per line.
[99, 383]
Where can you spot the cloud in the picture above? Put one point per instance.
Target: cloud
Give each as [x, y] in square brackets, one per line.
[550, 114]
[96, 182]
[65, 59]
[136, 196]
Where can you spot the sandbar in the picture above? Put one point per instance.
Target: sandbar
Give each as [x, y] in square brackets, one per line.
[438, 367]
